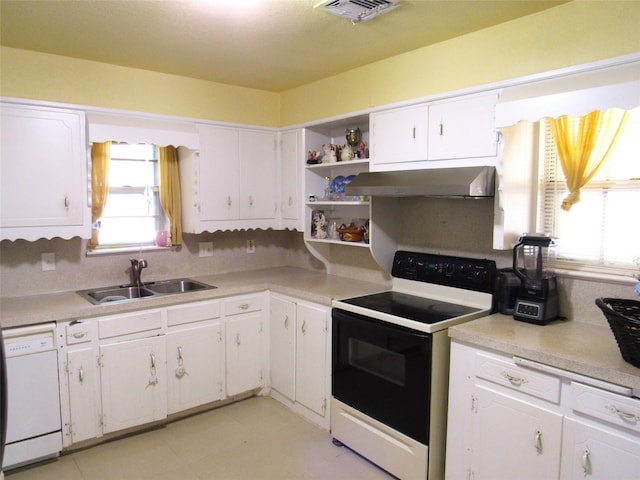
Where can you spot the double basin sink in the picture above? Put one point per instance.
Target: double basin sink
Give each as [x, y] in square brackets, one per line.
[119, 293]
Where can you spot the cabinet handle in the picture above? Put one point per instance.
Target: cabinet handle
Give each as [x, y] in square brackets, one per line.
[238, 339]
[586, 463]
[441, 129]
[515, 381]
[414, 133]
[251, 200]
[244, 306]
[229, 200]
[286, 322]
[180, 370]
[79, 334]
[626, 416]
[153, 377]
[81, 375]
[304, 327]
[290, 201]
[538, 441]
[67, 202]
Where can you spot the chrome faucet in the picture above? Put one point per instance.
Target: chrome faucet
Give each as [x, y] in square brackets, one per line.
[136, 271]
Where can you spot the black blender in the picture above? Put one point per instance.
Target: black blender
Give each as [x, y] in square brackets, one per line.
[537, 300]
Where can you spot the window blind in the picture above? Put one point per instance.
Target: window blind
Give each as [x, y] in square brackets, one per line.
[601, 231]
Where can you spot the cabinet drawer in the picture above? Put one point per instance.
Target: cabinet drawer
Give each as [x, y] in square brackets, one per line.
[607, 406]
[80, 332]
[507, 374]
[237, 305]
[130, 323]
[193, 313]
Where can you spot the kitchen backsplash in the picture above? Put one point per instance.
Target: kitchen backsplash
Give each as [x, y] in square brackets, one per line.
[447, 226]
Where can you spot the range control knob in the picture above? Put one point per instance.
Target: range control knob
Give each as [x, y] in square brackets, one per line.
[480, 276]
[465, 269]
[449, 268]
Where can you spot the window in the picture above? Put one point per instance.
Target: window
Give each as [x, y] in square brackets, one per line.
[601, 230]
[133, 213]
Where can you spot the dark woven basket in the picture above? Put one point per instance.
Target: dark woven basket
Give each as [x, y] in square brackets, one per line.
[624, 319]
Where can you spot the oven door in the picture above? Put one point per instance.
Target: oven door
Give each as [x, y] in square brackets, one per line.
[384, 371]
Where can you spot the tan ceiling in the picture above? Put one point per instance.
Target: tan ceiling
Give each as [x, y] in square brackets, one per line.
[271, 45]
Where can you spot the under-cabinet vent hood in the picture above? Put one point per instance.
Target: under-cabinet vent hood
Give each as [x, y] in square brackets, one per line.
[439, 182]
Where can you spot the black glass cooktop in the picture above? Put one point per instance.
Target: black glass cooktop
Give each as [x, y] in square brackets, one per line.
[419, 309]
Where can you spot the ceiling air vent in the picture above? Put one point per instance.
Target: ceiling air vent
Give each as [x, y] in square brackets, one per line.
[358, 10]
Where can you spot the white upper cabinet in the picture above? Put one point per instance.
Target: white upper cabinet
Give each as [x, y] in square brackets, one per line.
[43, 177]
[231, 183]
[463, 128]
[291, 155]
[258, 169]
[449, 133]
[399, 135]
[219, 174]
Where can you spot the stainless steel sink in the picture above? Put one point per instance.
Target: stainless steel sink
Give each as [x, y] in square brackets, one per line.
[115, 294]
[99, 296]
[180, 285]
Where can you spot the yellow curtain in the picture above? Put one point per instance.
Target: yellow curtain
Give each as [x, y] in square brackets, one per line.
[584, 145]
[170, 191]
[100, 156]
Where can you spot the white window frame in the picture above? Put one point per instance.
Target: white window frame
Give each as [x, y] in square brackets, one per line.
[549, 208]
[160, 221]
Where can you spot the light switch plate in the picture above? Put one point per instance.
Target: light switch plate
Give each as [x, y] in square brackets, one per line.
[205, 249]
[251, 246]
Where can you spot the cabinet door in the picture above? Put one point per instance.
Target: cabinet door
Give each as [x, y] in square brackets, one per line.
[598, 453]
[244, 353]
[258, 170]
[514, 439]
[195, 367]
[463, 128]
[290, 157]
[399, 135]
[219, 173]
[84, 394]
[311, 357]
[43, 160]
[282, 346]
[134, 387]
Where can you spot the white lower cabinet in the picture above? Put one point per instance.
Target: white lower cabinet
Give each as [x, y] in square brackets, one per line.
[195, 367]
[195, 355]
[282, 347]
[134, 385]
[244, 343]
[513, 439]
[84, 394]
[508, 421]
[300, 356]
[594, 452]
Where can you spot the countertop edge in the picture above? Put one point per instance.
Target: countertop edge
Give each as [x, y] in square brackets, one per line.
[574, 346]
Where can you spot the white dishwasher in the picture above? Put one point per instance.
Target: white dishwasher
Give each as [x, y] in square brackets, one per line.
[33, 395]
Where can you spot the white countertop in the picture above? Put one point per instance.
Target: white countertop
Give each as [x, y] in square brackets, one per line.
[584, 348]
[64, 306]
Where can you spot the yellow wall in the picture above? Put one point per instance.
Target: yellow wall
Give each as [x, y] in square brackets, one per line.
[54, 78]
[571, 34]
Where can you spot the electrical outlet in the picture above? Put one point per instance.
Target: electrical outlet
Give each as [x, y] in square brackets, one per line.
[205, 249]
[48, 261]
[251, 246]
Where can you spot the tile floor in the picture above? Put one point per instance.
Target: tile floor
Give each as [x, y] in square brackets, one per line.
[257, 438]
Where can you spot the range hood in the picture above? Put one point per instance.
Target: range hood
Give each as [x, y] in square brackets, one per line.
[438, 182]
